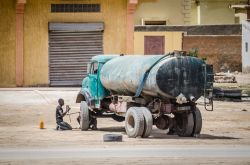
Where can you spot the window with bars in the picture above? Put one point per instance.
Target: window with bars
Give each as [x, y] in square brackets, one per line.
[75, 8]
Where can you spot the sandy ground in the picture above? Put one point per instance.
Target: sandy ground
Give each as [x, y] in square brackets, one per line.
[22, 109]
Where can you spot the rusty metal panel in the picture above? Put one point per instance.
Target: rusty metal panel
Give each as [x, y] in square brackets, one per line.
[154, 45]
[69, 53]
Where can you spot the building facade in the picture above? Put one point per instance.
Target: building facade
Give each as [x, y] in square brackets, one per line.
[30, 47]
[190, 12]
[48, 42]
[163, 12]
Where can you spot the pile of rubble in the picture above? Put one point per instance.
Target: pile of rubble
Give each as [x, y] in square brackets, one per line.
[224, 77]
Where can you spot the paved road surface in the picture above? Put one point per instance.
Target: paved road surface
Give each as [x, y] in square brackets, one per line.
[128, 152]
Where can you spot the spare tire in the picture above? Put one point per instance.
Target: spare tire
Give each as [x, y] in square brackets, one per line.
[112, 138]
[197, 121]
[84, 114]
[134, 122]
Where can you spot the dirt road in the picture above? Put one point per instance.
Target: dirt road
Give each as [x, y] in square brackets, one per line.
[170, 154]
[186, 151]
[22, 109]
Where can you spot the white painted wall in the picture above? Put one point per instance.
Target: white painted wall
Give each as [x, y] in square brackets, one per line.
[245, 40]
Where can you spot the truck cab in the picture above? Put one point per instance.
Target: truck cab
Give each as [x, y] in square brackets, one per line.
[92, 90]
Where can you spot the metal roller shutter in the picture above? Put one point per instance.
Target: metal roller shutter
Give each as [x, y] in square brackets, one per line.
[71, 46]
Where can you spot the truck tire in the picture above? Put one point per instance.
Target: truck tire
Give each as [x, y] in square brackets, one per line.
[84, 113]
[134, 122]
[197, 122]
[148, 122]
[184, 124]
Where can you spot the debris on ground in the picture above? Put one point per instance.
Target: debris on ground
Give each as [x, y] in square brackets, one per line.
[224, 77]
[227, 94]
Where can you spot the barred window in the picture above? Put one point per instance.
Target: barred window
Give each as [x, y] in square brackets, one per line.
[75, 8]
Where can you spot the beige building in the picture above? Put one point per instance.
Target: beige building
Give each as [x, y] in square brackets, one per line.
[163, 12]
[48, 42]
[189, 12]
[207, 12]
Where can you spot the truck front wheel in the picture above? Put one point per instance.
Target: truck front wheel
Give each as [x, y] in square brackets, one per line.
[84, 113]
[134, 122]
[197, 122]
[184, 124]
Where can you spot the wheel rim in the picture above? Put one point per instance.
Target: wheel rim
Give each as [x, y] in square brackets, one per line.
[131, 123]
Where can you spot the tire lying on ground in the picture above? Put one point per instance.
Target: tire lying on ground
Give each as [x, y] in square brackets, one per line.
[134, 122]
[112, 138]
[197, 122]
[84, 113]
[184, 124]
[148, 122]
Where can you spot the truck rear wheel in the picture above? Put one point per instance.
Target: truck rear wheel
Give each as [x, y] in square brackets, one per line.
[148, 122]
[162, 122]
[84, 113]
[134, 122]
[197, 122]
[184, 124]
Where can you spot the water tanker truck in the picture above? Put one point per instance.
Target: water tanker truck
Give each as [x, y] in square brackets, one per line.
[147, 90]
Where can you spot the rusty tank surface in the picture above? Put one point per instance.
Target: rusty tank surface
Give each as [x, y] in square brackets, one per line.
[171, 76]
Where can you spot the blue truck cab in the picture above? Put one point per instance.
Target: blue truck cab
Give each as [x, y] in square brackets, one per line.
[92, 90]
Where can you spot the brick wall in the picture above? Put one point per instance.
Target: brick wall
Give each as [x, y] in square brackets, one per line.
[221, 51]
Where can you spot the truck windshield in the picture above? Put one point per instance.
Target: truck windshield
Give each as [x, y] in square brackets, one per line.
[93, 68]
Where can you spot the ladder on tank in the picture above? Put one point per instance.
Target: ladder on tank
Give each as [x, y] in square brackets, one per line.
[208, 87]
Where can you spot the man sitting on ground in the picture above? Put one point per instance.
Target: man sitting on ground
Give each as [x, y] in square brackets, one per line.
[61, 125]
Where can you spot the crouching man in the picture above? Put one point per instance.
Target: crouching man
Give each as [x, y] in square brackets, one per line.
[61, 125]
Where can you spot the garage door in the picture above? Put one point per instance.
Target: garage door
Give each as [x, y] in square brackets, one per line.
[71, 46]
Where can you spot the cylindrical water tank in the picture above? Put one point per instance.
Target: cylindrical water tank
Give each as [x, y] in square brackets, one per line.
[170, 77]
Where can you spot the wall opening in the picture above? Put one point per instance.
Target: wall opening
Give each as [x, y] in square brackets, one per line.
[75, 8]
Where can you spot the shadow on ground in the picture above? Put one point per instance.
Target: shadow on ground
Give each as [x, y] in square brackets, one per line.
[159, 134]
[202, 136]
[112, 129]
[207, 136]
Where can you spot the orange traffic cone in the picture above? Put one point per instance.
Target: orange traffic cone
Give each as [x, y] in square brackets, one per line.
[41, 124]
